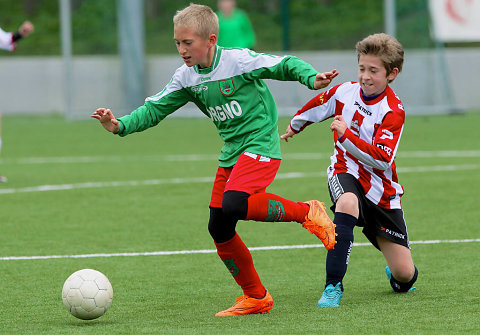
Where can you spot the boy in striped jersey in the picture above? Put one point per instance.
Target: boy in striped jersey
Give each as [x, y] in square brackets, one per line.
[227, 86]
[368, 120]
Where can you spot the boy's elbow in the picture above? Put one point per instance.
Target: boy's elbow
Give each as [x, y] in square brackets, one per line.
[381, 165]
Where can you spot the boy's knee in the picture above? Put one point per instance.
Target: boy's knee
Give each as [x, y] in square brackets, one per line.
[348, 203]
[404, 274]
[235, 204]
[404, 284]
[220, 228]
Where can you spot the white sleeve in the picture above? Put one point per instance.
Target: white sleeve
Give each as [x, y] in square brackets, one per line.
[6, 41]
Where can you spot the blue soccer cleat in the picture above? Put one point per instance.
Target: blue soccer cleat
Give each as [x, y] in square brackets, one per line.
[331, 296]
[389, 276]
[388, 272]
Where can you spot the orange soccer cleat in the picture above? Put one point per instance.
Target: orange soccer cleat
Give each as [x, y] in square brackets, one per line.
[248, 305]
[317, 222]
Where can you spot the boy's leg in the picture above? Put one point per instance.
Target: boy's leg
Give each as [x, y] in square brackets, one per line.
[251, 175]
[400, 263]
[230, 248]
[273, 208]
[337, 259]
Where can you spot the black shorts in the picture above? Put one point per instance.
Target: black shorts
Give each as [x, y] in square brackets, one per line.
[375, 220]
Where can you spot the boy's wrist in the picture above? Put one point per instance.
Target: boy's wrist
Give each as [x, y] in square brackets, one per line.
[16, 36]
[121, 127]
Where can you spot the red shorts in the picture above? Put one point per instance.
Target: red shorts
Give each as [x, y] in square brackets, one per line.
[251, 174]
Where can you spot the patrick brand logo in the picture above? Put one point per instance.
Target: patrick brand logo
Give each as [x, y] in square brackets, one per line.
[226, 86]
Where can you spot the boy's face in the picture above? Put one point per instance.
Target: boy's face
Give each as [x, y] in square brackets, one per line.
[372, 75]
[192, 47]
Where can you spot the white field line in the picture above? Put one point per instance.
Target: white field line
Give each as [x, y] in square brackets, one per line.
[211, 251]
[280, 176]
[214, 157]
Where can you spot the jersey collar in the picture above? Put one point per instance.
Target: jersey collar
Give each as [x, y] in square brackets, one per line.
[216, 59]
[376, 99]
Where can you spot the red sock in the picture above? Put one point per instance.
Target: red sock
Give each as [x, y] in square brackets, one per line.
[271, 207]
[236, 256]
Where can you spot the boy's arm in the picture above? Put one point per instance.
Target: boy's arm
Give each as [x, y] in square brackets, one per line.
[8, 41]
[286, 68]
[154, 110]
[381, 153]
[318, 109]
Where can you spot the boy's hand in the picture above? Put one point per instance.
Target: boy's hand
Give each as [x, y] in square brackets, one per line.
[26, 28]
[288, 133]
[339, 125]
[106, 118]
[324, 79]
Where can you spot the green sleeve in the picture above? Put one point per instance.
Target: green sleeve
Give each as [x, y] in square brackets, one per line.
[154, 110]
[291, 68]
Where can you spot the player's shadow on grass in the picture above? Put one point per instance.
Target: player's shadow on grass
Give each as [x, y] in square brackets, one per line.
[88, 323]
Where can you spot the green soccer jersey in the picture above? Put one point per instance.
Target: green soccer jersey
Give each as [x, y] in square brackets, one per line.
[233, 95]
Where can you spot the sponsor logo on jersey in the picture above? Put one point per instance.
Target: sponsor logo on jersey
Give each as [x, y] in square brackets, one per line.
[199, 88]
[355, 128]
[363, 109]
[226, 86]
[387, 134]
[386, 149]
[225, 112]
[321, 98]
[205, 78]
[356, 123]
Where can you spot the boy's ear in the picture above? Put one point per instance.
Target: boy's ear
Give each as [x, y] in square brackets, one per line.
[212, 40]
[393, 74]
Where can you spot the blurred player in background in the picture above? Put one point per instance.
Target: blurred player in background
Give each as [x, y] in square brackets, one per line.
[8, 41]
[235, 28]
[368, 120]
[227, 86]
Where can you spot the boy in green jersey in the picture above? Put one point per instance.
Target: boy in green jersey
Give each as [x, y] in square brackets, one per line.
[227, 86]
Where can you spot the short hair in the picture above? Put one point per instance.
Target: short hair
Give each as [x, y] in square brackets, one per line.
[201, 18]
[384, 46]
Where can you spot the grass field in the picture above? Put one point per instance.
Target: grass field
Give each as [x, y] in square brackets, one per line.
[74, 189]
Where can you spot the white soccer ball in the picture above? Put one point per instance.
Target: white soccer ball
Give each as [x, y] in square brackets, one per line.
[87, 294]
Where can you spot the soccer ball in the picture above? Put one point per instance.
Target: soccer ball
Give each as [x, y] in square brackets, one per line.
[87, 294]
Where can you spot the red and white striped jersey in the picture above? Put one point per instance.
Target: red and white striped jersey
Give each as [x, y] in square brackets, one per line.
[368, 147]
[6, 41]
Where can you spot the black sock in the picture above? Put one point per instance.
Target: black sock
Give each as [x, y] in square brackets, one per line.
[403, 287]
[337, 259]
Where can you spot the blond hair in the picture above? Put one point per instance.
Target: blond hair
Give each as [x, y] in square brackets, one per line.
[384, 46]
[201, 18]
